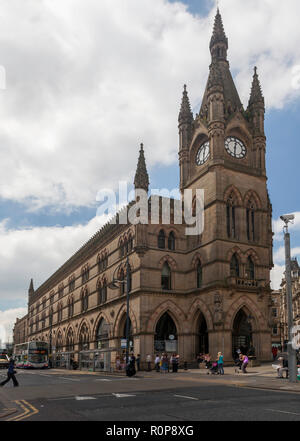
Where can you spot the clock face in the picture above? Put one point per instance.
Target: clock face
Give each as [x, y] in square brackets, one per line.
[235, 148]
[203, 154]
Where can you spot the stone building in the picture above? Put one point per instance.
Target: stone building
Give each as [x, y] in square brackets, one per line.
[20, 331]
[295, 273]
[190, 294]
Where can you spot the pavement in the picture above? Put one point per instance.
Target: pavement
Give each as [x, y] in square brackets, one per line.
[90, 394]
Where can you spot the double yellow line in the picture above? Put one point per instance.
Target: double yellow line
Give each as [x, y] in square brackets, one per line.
[28, 409]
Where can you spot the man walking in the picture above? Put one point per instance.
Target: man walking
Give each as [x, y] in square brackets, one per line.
[11, 374]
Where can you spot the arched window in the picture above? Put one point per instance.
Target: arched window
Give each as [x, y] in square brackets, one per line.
[85, 273]
[162, 240]
[71, 307]
[166, 277]
[171, 241]
[50, 316]
[199, 274]
[70, 341]
[250, 269]
[130, 244]
[102, 335]
[59, 343]
[234, 266]
[60, 291]
[59, 312]
[102, 292]
[165, 338]
[250, 219]
[84, 338]
[84, 300]
[231, 216]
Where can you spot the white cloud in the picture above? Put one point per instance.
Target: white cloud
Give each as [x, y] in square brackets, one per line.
[7, 321]
[87, 81]
[277, 275]
[36, 253]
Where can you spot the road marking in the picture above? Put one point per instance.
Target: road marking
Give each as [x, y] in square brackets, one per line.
[188, 398]
[29, 411]
[123, 395]
[102, 380]
[84, 398]
[26, 412]
[282, 411]
[70, 379]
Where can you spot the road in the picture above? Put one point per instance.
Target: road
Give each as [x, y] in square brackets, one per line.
[67, 396]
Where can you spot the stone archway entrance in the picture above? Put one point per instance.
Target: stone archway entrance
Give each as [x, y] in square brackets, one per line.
[241, 333]
[123, 335]
[202, 346]
[166, 339]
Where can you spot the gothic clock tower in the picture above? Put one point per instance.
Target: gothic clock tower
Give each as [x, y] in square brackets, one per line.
[222, 150]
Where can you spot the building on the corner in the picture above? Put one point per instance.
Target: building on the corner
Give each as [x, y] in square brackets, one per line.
[295, 273]
[188, 294]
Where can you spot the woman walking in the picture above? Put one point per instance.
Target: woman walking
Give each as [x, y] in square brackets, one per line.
[220, 362]
[11, 374]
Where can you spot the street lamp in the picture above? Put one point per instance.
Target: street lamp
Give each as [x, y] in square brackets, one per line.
[113, 285]
[291, 352]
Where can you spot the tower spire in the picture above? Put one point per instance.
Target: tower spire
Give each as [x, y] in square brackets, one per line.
[185, 114]
[31, 289]
[141, 180]
[219, 41]
[256, 96]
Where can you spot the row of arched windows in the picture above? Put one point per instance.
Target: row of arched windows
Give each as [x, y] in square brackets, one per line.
[235, 267]
[126, 245]
[231, 218]
[162, 241]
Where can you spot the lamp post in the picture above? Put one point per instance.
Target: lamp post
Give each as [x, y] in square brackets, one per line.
[291, 351]
[113, 285]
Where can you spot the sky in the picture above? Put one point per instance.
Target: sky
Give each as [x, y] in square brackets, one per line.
[83, 83]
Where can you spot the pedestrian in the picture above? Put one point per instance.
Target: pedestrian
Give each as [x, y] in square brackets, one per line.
[274, 352]
[207, 362]
[199, 360]
[220, 361]
[118, 363]
[165, 363]
[11, 374]
[148, 360]
[130, 368]
[138, 362]
[245, 362]
[284, 365]
[157, 363]
[173, 361]
[177, 362]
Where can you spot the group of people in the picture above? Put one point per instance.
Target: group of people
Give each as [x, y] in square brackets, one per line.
[215, 367]
[163, 362]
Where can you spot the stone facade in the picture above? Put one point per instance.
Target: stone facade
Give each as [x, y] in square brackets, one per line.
[189, 294]
[295, 272]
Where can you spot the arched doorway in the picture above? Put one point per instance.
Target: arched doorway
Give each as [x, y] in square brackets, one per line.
[102, 337]
[241, 333]
[165, 339]
[123, 335]
[202, 346]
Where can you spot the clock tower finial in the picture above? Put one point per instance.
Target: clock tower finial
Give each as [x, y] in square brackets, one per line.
[219, 41]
